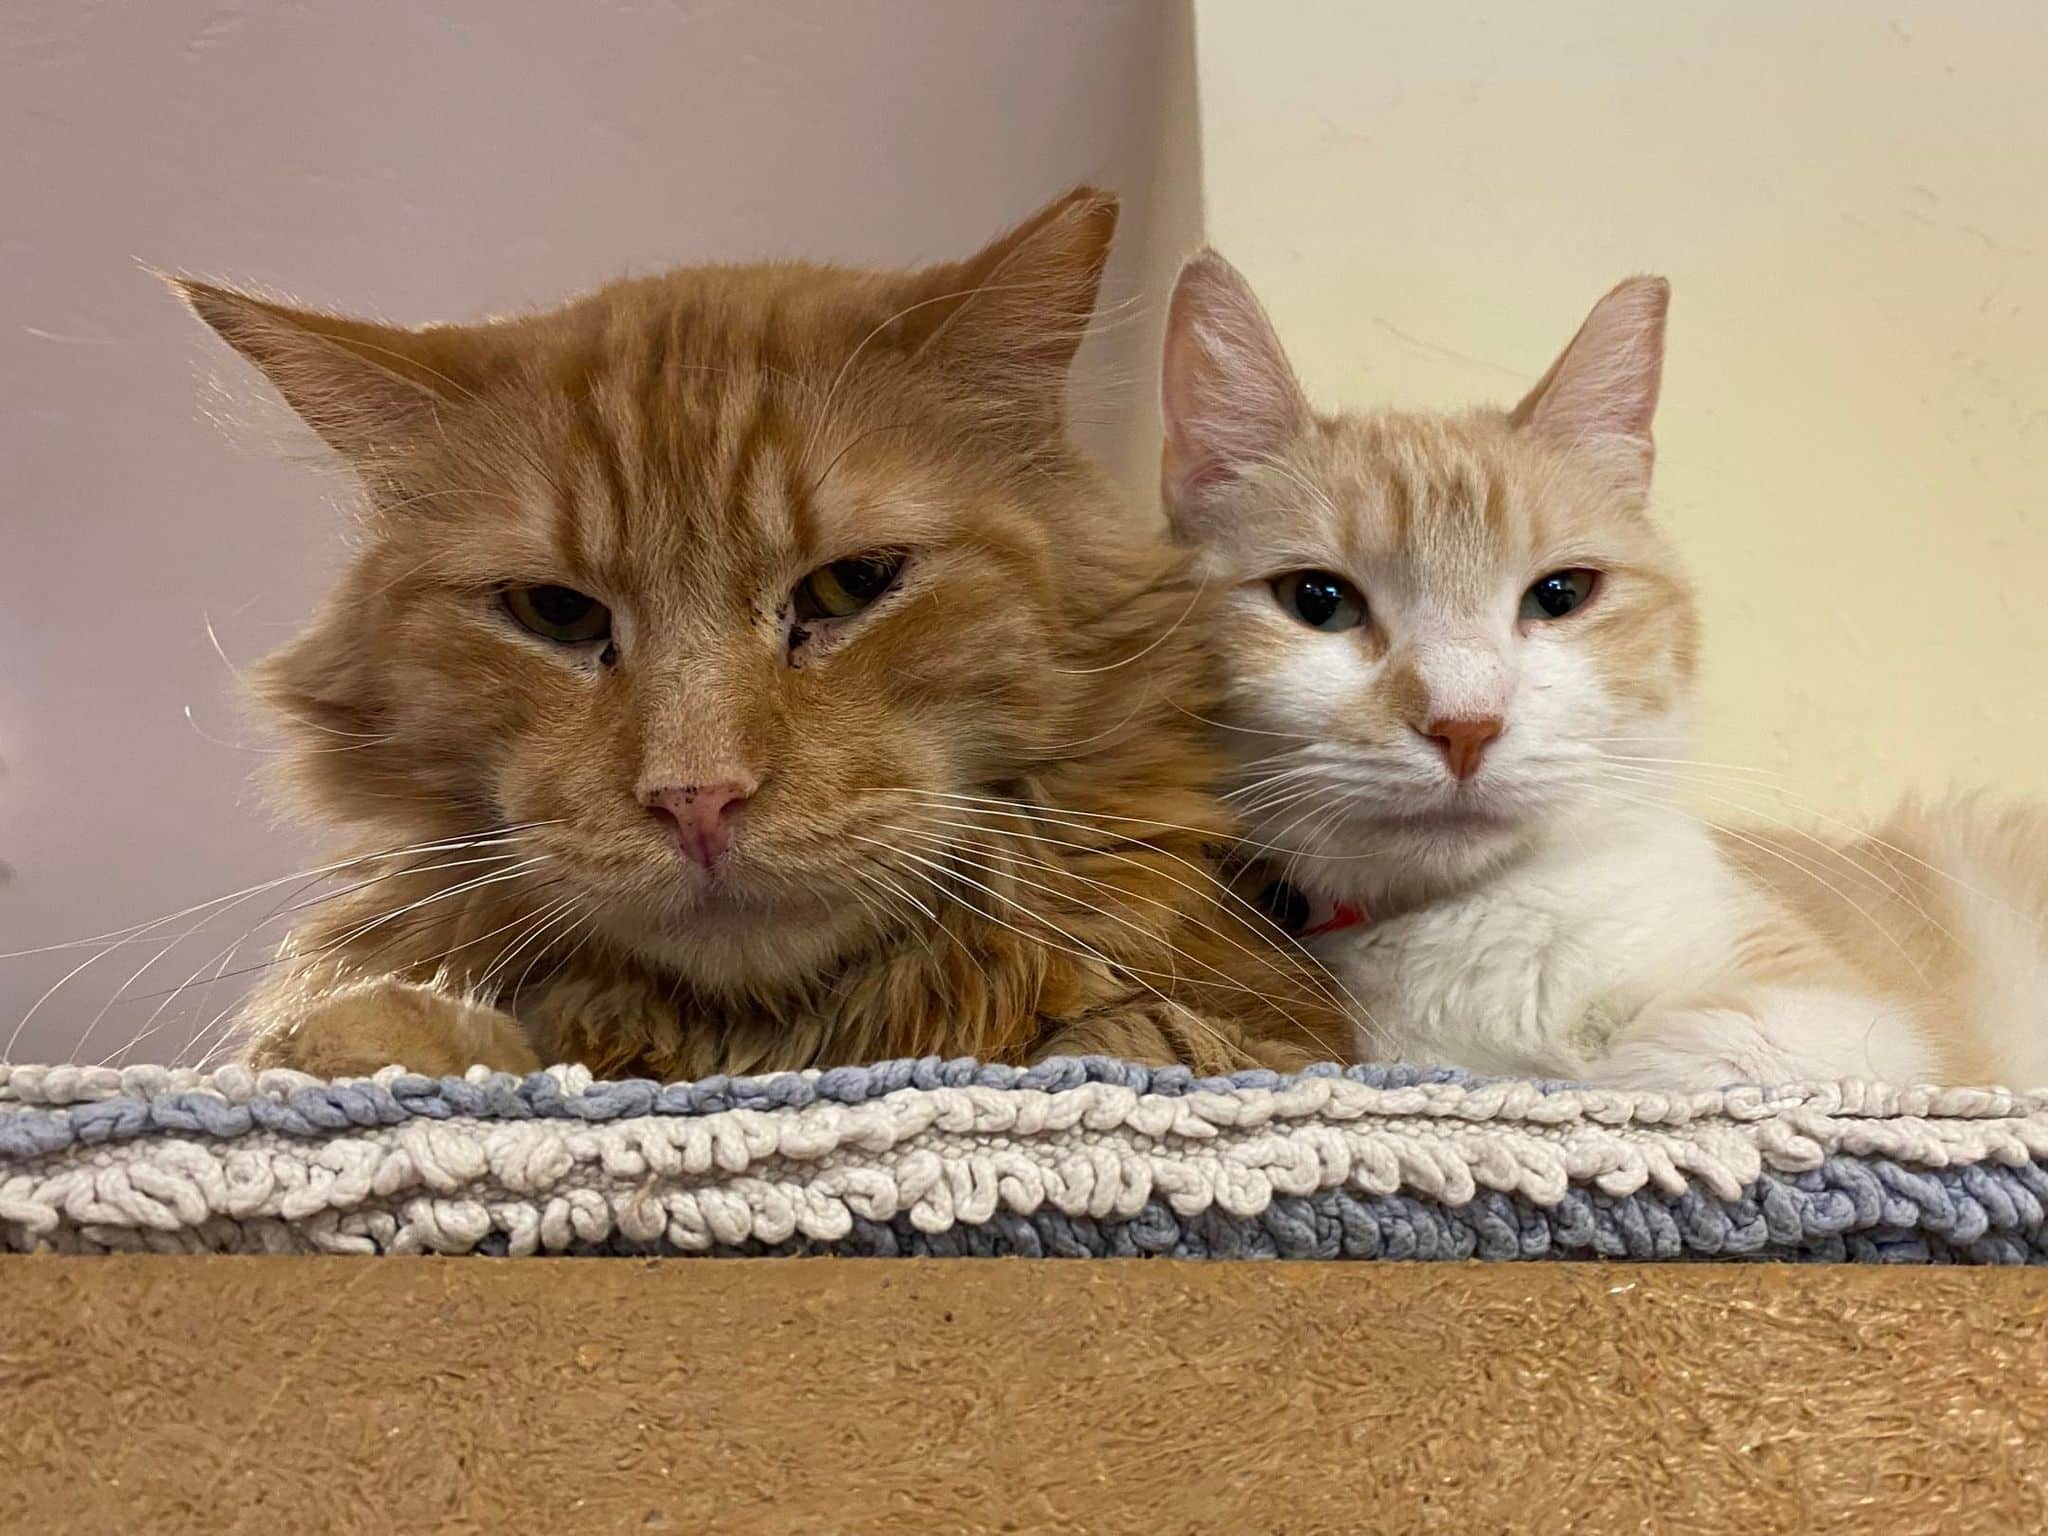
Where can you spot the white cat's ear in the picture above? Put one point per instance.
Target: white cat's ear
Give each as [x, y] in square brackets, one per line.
[1228, 395]
[1599, 397]
[1009, 318]
[365, 388]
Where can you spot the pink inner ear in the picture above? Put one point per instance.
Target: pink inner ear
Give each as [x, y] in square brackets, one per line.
[1601, 393]
[1228, 393]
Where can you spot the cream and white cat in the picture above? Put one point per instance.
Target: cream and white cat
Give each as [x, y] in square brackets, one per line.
[1461, 662]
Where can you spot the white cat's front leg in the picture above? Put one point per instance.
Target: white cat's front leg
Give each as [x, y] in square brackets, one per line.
[1768, 1035]
[1445, 992]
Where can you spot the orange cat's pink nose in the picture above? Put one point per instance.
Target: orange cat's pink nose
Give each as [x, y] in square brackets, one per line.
[1463, 742]
[700, 817]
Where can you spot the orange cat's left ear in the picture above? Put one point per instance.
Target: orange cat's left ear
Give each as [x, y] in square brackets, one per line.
[366, 388]
[1600, 396]
[1008, 320]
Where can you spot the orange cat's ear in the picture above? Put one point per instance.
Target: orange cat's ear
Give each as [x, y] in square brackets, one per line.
[1599, 397]
[1227, 392]
[365, 388]
[1009, 319]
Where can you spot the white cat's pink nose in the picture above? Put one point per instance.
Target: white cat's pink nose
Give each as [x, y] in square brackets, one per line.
[700, 817]
[1463, 742]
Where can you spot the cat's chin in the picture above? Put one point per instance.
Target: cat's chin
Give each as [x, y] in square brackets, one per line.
[1393, 862]
[726, 945]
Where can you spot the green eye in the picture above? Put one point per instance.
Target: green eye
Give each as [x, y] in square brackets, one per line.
[1558, 594]
[845, 587]
[1320, 599]
[559, 614]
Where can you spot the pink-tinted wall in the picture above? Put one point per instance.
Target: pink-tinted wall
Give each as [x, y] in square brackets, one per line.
[420, 161]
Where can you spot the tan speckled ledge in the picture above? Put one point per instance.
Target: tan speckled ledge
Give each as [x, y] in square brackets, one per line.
[305, 1395]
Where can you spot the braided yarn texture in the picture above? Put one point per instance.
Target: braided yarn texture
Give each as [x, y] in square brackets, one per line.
[1080, 1158]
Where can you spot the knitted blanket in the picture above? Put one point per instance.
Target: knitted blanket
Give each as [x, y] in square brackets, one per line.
[1084, 1158]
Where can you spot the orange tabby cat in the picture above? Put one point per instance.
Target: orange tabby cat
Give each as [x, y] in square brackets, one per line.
[742, 670]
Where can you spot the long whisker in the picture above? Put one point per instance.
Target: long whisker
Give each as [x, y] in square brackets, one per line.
[1849, 829]
[1804, 867]
[1687, 762]
[277, 751]
[1083, 950]
[212, 908]
[1084, 821]
[548, 918]
[223, 956]
[1246, 730]
[1338, 799]
[462, 888]
[325, 899]
[437, 958]
[134, 931]
[1223, 978]
[1330, 988]
[1088, 822]
[588, 923]
[1164, 635]
[1100, 821]
[963, 847]
[887, 883]
[367, 963]
[1337, 795]
[1840, 855]
[1252, 788]
[1067, 751]
[1271, 804]
[219, 1041]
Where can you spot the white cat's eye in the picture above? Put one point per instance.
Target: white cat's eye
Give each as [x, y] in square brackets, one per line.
[1320, 599]
[845, 587]
[560, 614]
[1559, 593]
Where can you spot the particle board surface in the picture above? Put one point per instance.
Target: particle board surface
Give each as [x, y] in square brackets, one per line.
[399, 1395]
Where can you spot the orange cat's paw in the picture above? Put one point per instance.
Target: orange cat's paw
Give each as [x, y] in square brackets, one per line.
[1152, 1033]
[353, 1033]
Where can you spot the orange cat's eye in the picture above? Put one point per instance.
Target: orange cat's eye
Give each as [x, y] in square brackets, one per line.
[845, 587]
[560, 614]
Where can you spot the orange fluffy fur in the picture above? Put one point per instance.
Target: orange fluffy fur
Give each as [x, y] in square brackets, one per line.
[983, 823]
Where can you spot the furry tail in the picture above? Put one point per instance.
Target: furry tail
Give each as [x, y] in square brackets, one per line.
[1982, 905]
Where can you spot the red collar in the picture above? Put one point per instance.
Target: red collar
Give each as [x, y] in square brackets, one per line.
[1343, 915]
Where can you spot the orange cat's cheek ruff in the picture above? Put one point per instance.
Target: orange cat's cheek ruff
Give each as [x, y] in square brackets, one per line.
[790, 688]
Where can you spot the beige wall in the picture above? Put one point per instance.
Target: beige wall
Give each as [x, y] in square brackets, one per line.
[1848, 201]
[421, 160]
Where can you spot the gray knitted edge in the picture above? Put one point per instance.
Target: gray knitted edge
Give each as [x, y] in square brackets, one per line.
[44, 1109]
[1848, 1210]
[95, 1160]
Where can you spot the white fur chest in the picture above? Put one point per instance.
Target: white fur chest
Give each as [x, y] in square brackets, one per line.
[1533, 971]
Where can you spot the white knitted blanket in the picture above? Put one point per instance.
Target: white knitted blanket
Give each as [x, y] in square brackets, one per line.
[1071, 1157]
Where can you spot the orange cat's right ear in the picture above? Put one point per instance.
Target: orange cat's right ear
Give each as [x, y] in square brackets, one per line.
[365, 388]
[1228, 395]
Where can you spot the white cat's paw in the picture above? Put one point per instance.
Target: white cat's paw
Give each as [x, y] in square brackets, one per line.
[1691, 1050]
[1774, 1036]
